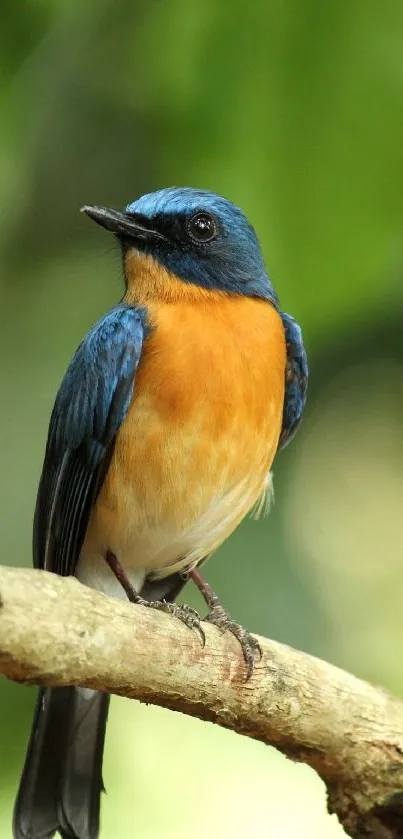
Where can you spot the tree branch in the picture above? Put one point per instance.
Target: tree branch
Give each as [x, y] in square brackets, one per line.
[55, 631]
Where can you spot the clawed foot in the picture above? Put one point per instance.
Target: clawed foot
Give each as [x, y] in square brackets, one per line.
[219, 617]
[249, 645]
[184, 613]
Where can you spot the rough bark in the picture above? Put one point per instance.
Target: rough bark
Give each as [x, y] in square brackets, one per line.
[55, 631]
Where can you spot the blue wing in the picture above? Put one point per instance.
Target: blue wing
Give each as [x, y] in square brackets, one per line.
[90, 406]
[296, 380]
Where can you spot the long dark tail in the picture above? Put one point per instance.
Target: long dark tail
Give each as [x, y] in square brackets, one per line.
[61, 783]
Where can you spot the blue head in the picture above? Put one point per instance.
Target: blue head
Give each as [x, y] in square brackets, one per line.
[196, 235]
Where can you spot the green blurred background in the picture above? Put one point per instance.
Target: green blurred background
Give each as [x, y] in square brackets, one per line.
[293, 109]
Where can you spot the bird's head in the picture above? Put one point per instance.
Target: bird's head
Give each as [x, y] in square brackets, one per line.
[181, 241]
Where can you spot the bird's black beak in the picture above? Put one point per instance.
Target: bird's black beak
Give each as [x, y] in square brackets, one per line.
[122, 224]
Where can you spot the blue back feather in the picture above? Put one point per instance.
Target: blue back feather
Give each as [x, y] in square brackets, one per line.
[296, 379]
[90, 407]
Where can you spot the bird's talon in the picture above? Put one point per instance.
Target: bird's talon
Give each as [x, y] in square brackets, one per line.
[249, 645]
[184, 613]
[201, 633]
[190, 611]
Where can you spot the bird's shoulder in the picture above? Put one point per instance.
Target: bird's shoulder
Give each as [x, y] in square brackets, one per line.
[98, 377]
[296, 384]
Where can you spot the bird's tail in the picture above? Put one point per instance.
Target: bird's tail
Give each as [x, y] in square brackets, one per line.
[62, 779]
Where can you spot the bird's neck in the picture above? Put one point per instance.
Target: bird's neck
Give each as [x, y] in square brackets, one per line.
[148, 281]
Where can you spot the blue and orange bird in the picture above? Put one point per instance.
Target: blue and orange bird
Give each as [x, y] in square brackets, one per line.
[161, 440]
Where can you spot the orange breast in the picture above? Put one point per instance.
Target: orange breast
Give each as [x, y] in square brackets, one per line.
[195, 450]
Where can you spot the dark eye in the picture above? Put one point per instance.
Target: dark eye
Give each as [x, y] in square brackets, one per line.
[202, 227]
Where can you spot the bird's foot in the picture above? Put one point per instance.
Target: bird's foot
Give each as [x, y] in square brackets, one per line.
[219, 617]
[249, 645]
[183, 612]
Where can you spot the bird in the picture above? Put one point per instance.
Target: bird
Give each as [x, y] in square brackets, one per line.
[161, 440]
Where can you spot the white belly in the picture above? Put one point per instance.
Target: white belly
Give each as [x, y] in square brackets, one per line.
[161, 549]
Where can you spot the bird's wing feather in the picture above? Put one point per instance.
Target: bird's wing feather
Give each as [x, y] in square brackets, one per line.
[296, 380]
[90, 407]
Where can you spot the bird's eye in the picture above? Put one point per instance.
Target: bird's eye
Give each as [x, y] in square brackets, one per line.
[202, 227]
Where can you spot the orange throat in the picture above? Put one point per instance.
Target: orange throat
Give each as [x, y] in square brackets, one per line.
[147, 280]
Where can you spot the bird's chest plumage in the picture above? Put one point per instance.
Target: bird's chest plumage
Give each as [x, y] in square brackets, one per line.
[195, 450]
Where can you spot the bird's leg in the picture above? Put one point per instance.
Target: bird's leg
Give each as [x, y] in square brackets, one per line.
[121, 576]
[219, 617]
[184, 613]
